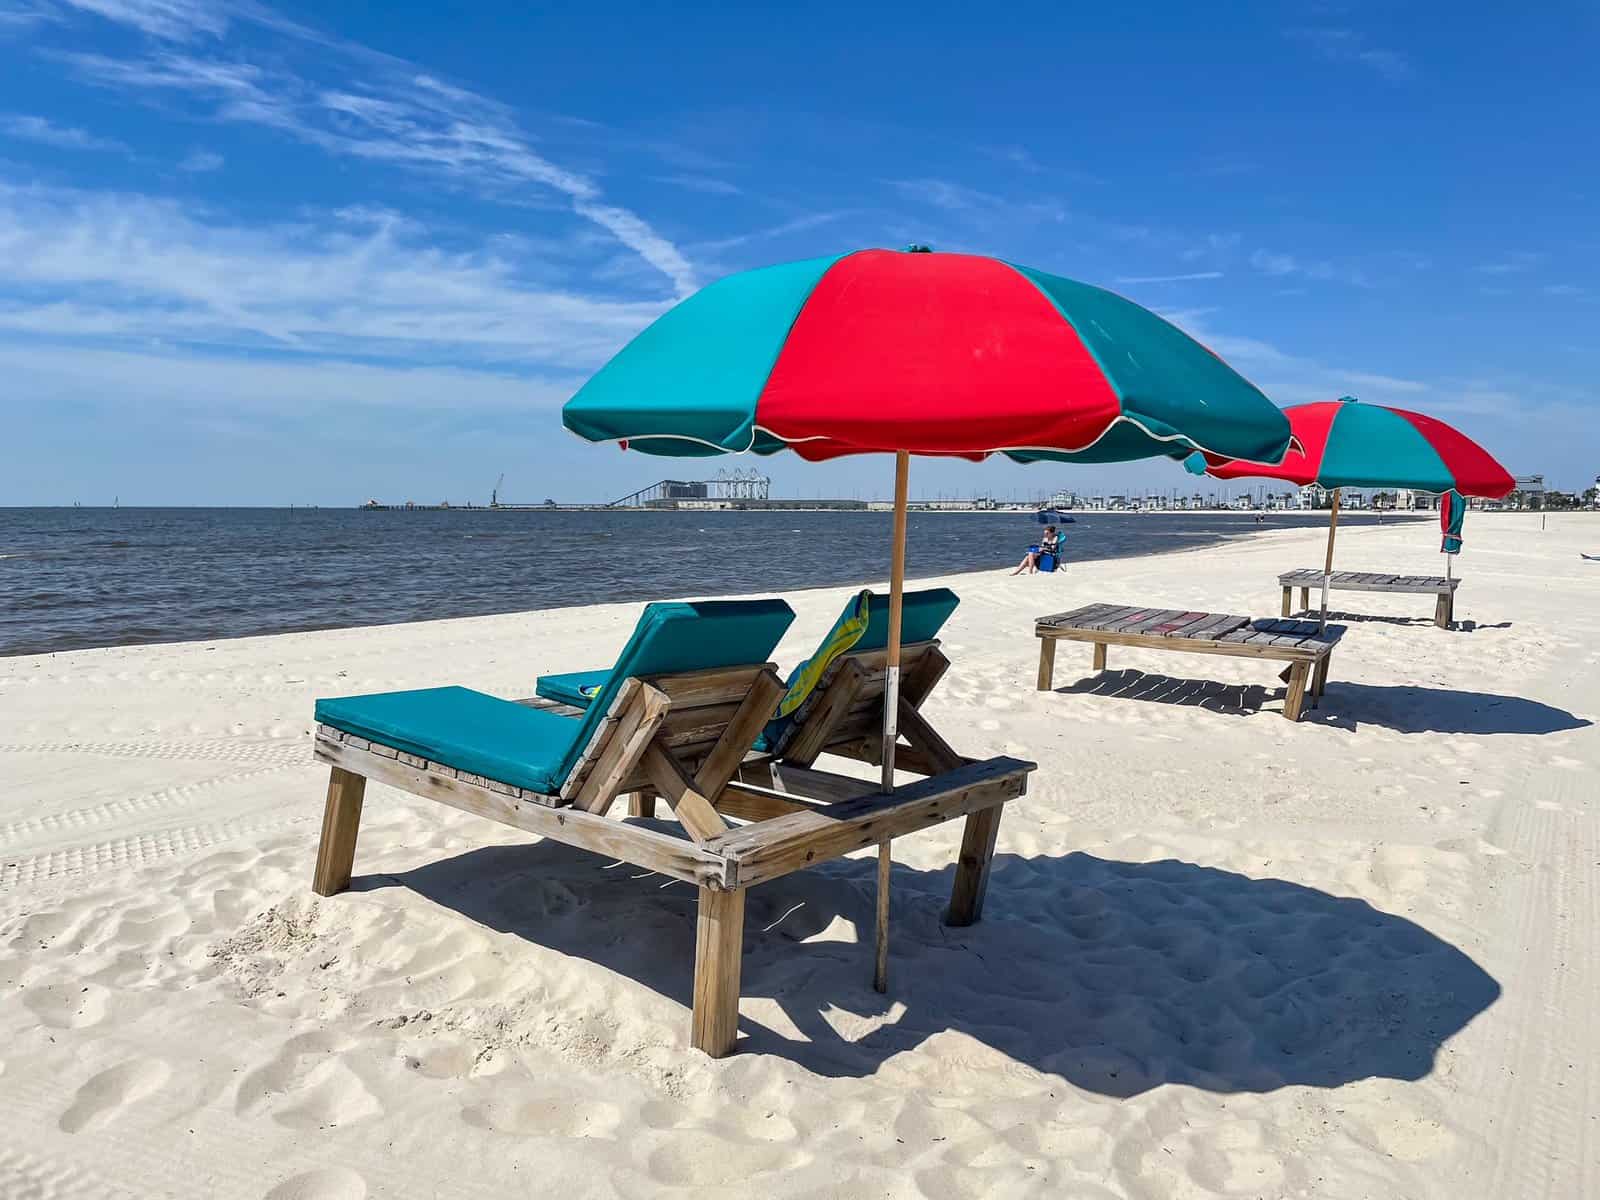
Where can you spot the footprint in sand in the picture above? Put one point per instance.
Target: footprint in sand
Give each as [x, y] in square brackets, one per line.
[308, 1086]
[549, 1116]
[329, 1183]
[105, 1095]
[67, 1005]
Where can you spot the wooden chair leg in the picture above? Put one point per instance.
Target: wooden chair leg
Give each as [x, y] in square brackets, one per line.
[341, 818]
[1099, 656]
[1295, 697]
[718, 949]
[1288, 594]
[1441, 612]
[1047, 663]
[1305, 599]
[1319, 679]
[880, 969]
[642, 804]
[972, 866]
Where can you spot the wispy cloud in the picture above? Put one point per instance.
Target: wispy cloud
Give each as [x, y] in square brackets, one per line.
[1192, 276]
[175, 20]
[1280, 266]
[200, 161]
[48, 133]
[1512, 264]
[708, 184]
[1564, 289]
[378, 109]
[1348, 47]
[95, 268]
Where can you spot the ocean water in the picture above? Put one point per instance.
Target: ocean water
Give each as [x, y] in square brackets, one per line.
[78, 577]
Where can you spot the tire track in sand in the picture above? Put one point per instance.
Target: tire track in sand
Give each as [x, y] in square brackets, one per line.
[133, 853]
[125, 807]
[282, 751]
[1542, 1126]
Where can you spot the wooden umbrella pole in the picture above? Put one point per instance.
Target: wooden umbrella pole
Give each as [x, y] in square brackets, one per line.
[897, 581]
[1327, 566]
[891, 705]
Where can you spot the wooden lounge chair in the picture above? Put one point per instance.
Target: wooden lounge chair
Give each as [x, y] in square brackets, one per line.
[677, 716]
[1304, 645]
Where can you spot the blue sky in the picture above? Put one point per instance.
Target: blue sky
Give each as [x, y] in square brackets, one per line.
[314, 253]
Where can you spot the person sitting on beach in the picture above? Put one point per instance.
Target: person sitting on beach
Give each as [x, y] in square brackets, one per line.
[1049, 544]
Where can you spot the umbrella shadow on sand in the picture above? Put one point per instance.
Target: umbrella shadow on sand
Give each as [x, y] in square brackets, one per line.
[1117, 976]
[1344, 705]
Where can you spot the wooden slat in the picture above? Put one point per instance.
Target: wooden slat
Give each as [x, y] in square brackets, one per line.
[810, 733]
[633, 731]
[1215, 627]
[1169, 628]
[720, 685]
[1072, 617]
[924, 738]
[827, 786]
[1112, 614]
[694, 811]
[600, 738]
[749, 803]
[740, 733]
[1127, 620]
[769, 849]
[649, 848]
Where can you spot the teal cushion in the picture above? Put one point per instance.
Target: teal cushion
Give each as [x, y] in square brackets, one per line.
[576, 688]
[461, 728]
[922, 615]
[676, 636]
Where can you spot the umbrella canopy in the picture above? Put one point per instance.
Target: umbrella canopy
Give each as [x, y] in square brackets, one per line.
[1343, 443]
[940, 354]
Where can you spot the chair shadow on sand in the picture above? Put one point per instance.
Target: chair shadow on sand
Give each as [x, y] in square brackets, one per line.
[1117, 976]
[1345, 705]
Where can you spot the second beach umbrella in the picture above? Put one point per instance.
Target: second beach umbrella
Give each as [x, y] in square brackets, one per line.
[1344, 443]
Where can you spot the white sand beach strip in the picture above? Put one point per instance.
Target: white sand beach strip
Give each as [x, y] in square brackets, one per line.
[1222, 954]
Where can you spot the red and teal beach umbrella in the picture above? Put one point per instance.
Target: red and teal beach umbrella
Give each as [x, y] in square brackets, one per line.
[939, 354]
[919, 353]
[1343, 443]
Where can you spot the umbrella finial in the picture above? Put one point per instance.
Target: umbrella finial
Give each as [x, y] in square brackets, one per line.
[918, 248]
[1348, 400]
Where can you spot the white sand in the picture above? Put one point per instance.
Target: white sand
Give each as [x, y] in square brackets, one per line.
[1222, 954]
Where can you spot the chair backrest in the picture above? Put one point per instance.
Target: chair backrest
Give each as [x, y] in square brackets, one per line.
[922, 616]
[678, 637]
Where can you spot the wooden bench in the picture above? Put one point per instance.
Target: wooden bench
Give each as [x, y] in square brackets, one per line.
[1309, 580]
[685, 738]
[1299, 643]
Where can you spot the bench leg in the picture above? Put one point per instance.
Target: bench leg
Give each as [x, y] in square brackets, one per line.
[718, 948]
[1294, 699]
[341, 818]
[1288, 594]
[1305, 599]
[1319, 678]
[1100, 656]
[1047, 663]
[972, 866]
[642, 804]
[1441, 611]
